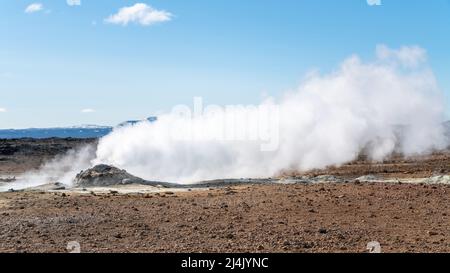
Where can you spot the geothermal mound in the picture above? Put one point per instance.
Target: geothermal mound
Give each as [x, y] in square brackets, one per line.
[105, 175]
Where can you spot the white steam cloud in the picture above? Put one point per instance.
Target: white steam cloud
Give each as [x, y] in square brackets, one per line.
[62, 169]
[392, 104]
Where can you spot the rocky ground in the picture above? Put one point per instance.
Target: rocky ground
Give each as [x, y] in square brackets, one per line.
[284, 218]
[326, 217]
[395, 167]
[20, 155]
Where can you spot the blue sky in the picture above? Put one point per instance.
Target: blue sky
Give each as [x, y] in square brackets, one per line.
[57, 60]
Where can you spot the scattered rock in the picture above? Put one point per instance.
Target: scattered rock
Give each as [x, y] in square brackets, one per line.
[323, 231]
[229, 236]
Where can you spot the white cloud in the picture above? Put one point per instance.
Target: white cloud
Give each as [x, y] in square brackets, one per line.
[408, 56]
[35, 7]
[141, 14]
[374, 2]
[87, 111]
[74, 2]
[3, 110]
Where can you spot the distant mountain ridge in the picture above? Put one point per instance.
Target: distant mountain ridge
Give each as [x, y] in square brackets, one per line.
[69, 132]
[134, 122]
[81, 131]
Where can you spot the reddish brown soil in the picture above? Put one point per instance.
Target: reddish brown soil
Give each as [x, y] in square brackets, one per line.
[396, 167]
[287, 218]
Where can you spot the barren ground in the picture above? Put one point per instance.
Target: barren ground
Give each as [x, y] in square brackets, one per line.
[342, 217]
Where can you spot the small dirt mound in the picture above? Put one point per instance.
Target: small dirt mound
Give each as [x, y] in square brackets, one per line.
[105, 175]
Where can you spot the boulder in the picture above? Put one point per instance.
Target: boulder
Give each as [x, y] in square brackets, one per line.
[104, 176]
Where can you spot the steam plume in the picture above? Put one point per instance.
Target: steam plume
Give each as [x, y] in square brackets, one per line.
[61, 169]
[392, 104]
[328, 120]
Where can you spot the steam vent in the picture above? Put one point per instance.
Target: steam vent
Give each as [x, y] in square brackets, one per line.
[105, 175]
